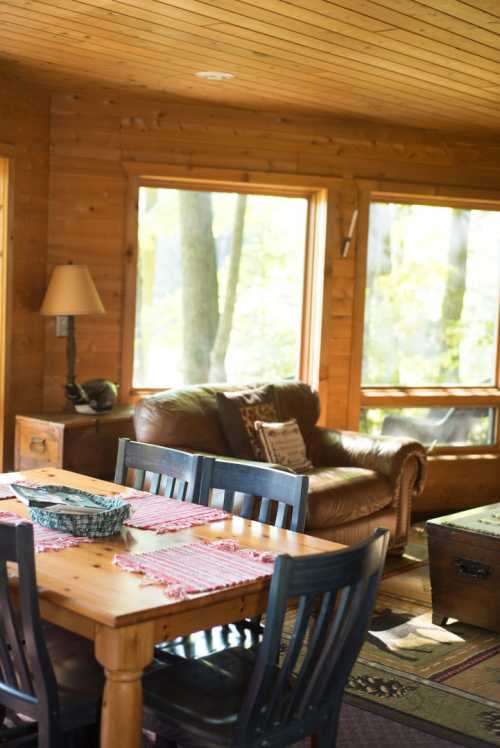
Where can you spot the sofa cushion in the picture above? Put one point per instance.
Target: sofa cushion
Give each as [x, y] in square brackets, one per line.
[283, 444]
[187, 418]
[297, 400]
[238, 412]
[344, 494]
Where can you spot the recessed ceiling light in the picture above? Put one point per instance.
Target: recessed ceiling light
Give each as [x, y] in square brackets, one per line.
[214, 75]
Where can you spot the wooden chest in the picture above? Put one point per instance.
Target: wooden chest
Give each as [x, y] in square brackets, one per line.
[83, 443]
[465, 567]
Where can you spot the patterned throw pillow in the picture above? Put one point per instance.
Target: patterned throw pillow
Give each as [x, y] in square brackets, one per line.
[238, 412]
[283, 443]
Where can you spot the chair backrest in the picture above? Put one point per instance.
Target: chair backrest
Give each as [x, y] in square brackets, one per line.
[27, 681]
[172, 472]
[258, 481]
[336, 594]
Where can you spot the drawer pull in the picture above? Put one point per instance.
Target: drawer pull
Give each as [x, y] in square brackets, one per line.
[38, 445]
[472, 569]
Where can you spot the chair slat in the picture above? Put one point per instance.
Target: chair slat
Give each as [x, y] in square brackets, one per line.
[180, 489]
[228, 503]
[168, 487]
[265, 510]
[139, 477]
[281, 515]
[154, 485]
[247, 506]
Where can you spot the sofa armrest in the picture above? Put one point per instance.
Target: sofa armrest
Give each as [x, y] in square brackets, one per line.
[388, 455]
[402, 461]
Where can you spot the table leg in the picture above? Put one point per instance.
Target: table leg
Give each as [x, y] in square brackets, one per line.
[124, 653]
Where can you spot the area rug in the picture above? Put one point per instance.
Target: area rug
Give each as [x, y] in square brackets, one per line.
[444, 681]
[440, 681]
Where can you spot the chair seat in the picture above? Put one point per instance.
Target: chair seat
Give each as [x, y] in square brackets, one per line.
[344, 494]
[203, 696]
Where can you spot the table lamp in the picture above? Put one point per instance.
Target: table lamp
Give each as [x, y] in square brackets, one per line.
[70, 293]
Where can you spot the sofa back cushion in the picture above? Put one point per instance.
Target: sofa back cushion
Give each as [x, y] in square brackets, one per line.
[187, 417]
[238, 411]
[297, 400]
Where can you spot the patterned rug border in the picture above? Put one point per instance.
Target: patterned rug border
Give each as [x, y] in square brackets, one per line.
[430, 682]
[437, 681]
[466, 664]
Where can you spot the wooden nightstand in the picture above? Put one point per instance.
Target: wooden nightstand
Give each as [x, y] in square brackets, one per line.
[84, 443]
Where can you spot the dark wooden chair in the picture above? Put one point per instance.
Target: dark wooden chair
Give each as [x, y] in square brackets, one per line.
[172, 472]
[47, 674]
[291, 686]
[283, 503]
[282, 494]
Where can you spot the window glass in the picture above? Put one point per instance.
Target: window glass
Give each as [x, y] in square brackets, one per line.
[453, 426]
[219, 287]
[432, 295]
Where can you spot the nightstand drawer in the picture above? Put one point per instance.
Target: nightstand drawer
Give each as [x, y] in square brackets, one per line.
[38, 444]
[73, 441]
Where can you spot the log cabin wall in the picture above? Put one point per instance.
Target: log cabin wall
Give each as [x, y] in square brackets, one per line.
[24, 129]
[93, 135]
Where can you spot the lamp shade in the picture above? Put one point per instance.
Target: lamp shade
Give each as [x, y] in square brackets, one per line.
[71, 291]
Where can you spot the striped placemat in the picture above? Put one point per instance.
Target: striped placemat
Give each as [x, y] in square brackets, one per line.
[152, 512]
[44, 538]
[198, 567]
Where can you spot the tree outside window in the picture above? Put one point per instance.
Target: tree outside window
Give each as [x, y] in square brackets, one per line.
[219, 287]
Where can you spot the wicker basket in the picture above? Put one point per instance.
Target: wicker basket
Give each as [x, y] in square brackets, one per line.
[95, 525]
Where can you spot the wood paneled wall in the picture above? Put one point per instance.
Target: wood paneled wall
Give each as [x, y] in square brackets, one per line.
[91, 137]
[24, 125]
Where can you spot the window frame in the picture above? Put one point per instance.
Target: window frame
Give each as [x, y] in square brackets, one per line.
[7, 177]
[390, 396]
[221, 180]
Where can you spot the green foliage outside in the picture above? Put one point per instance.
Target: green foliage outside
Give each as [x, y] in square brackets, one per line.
[432, 300]
[408, 340]
[265, 335]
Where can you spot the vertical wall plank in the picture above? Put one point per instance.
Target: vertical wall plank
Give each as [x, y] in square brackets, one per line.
[24, 125]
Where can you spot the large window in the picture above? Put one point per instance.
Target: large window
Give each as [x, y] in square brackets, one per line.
[219, 286]
[431, 321]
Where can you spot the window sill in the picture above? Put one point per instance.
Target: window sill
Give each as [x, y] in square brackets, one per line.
[407, 397]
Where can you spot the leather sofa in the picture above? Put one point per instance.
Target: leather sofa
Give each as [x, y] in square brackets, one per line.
[358, 483]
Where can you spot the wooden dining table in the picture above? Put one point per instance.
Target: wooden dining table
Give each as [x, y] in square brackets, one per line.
[82, 590]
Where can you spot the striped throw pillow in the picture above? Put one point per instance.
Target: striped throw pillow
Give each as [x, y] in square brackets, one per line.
[283, 444]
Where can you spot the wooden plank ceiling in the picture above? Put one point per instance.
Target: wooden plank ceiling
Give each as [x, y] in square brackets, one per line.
[427, 63]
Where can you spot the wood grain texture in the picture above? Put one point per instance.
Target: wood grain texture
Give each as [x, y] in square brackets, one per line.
[80, 589]
[73, 441]
[454, 557]
[417, 63]
[98, 139]
[24, 125]
[89, 585]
